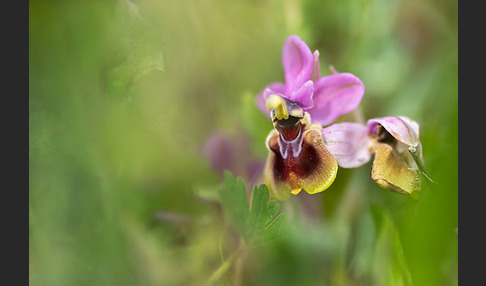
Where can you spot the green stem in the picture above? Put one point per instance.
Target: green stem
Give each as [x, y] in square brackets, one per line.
[224, 266]
[419, 163]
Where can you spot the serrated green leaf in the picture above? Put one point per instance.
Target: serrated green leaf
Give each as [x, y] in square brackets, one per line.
[265, 222]
[235, 201]
[274, 228]
[257, 224]
[259, 212]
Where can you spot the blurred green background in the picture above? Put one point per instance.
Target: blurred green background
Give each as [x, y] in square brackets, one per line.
[124, 94]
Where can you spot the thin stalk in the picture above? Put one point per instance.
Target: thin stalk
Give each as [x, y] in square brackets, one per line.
[225, 266]
[419, 163]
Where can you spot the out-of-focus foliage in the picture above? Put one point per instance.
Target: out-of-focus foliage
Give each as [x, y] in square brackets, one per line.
[258, 221]
[123, 95]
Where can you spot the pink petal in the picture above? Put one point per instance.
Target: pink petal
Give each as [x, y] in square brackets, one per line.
[303, 96]
[348, 143]
[401, 128]
[298, 63]
[273, 88]
[335, 95]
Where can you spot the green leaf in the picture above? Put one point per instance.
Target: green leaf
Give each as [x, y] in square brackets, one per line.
[235, 201]
[265, 222]
[259, 223]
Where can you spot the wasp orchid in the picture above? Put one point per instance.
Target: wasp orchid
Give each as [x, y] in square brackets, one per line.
[298, 158]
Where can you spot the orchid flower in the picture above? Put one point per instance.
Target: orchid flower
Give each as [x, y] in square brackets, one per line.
[394, 142]
[298, 159]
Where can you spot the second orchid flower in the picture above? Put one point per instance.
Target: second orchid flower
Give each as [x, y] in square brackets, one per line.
[394, 142]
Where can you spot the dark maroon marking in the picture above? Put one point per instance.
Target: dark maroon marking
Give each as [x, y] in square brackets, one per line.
[303, 166]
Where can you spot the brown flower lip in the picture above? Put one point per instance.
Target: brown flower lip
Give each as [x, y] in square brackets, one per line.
[302, 163]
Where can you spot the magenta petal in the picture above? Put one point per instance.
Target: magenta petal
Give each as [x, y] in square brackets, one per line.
[303, 96]
[273, 88]
[401, 128]
[348, 143]
[335, 95]
[298, 63]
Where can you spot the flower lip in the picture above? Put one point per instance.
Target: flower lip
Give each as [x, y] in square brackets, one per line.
[300, 164]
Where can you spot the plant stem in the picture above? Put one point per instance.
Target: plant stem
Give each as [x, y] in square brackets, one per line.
[224, 266]
[417, 160]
